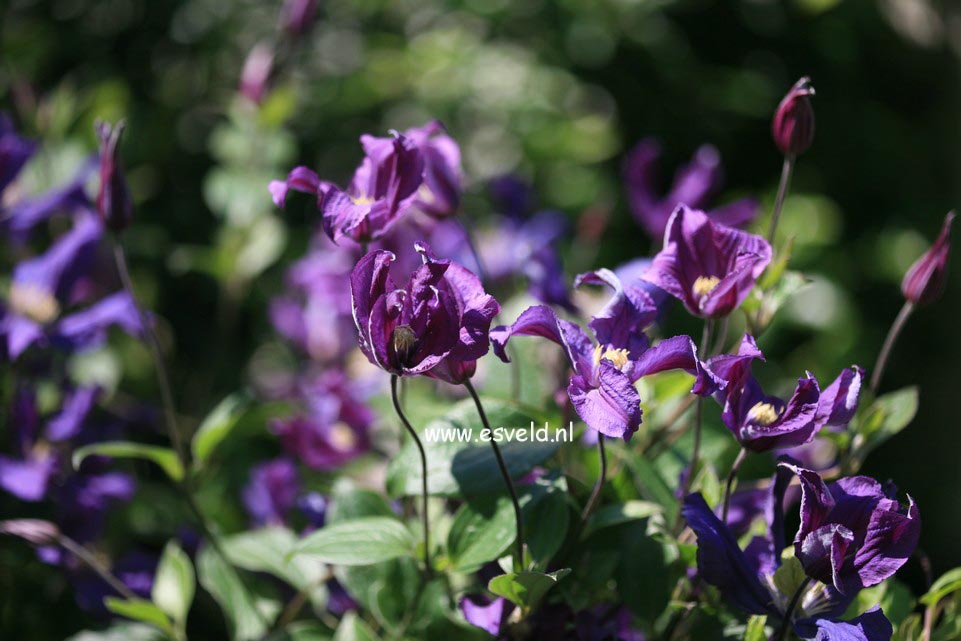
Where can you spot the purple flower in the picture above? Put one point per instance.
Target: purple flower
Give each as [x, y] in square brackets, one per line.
[695, 185]
[297, 16]
[883, 532]
[255, 75]
[839, 400]
[437, 325]
[602, 386]
[793, 124]
[21, 217]
[709, 267]
[335, 428]
[440, 193]
[113, 196]
[924, 282]
[42, 288]
[488, 615]
[272, 492]
[853, 533]
[14, 152]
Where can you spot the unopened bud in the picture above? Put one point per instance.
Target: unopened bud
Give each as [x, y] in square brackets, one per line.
[793, 124]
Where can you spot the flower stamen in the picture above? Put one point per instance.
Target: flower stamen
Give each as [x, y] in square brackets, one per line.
[762, 414]
[704, 285]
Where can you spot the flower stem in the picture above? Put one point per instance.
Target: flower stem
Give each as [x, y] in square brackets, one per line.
[599, 484]
[786, 170]
[519, 547]
[786, 621]
[97, 566]
[428, 570]
[732, 475]
[889, 342]
[696, 449]
[472, 246]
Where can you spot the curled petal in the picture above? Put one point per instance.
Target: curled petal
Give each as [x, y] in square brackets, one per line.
[839, 400]
[541, 320]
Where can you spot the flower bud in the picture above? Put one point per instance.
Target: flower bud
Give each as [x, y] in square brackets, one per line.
[113, 198]
[33, 531]
[925, 281]
[297, 16]
[255, 75]
[793, 124]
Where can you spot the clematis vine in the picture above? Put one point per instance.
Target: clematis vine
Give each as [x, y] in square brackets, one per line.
[695, 185]
[709, 267]
[853, 534]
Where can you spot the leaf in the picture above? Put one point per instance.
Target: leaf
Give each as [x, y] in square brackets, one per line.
[240, 611]
[359, 542]
[268, 550]
[162, 456]
[616, 514]
[947, 583]
[481, 532]
[642, 572]
[652, 485]
[457, 468]
[755, 628]
[121, 631]
[349, 502]
[525, 589]
[301, 631]
[140, 610]
[174, 583]
[548, 519]
[789, 577]
[217, 426]
[353, 628]
[887, 416]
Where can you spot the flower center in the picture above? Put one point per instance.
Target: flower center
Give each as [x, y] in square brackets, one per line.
[617, 357]
[704, 285]
[762, 414]
[34, 302]
[405, 343]
[361, 200]
[342, 437]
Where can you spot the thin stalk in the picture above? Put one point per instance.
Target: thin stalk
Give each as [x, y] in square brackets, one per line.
[786, 621]
[899, 321]
[599, 484]
[732, 475]
[97, 566]
[786, 170]
[472, 246]
[428, 571]
[519, 547]
[696, 449]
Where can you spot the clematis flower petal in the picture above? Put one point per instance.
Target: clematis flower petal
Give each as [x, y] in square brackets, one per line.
[541, 320]
[924, 282]
[839, 400]
[870, 626]
[489, 617]
[622, 321]
[612, 406]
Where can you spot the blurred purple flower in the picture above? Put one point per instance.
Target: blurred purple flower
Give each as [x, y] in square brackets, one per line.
[113, 195]
[335, 428]
[22, 216]
[602, 387]
[436, 325]
[925, 280]
[14, 152]
[709, 267]
[297, 16]
[255, 74]
[439, 195]
[135, 570]
[695, 184]
[793, 125]
[44, 286]
[271, 492]
[489, 615]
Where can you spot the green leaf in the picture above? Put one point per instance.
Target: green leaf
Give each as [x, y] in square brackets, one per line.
[652, 485]
[140, 610]
[301, 631]
[755, 628]
[889, 414]
[642, 573]
[616, 514]
[269, 550]
[459, 469]
[947, 583]
[481, 532]
[121, 631]
[359, 542]
[789, 577]
[525, 589]
[548, 518]
[174, 583]
[240, 611]
[353, 628]
[162, 456]
[217, 426]
[349, 502]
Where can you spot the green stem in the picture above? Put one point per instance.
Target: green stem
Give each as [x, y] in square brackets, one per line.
[786, 621]
[696, 449]
[428, 569]
[900, 320]
[786, 170]
[502, 465]
[732, 475]
[97, 566]
[599, 484]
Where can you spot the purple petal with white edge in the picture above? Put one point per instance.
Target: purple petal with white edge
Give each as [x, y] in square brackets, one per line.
[839, 400]
[613, 407]
[721, 562]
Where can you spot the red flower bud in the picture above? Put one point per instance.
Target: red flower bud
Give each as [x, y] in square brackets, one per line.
[793, 124]
[113, 199]
[925, 281]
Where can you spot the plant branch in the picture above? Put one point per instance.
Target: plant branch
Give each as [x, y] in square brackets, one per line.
[428, 570]
[899, 321]
[599, 483]
[786, 170]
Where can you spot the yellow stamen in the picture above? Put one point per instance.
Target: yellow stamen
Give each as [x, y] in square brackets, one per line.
[34, 302]
[704, 285]
[762, 414]
[362, 200]
[342, 437]
[617, 357]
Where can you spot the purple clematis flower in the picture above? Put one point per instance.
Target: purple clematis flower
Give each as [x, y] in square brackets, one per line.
[488, 615]
[383, 187]
[602, 387]
[439, 195]
[272, 492]
[793, 124]
[297, 16]
[925, 280]
[761, 422]
[709, 267]
[334, 430]
[21, 217]
[884, 532]
[14, 152]
[113, 198]
[43, 287]
[694, 185]
[436, 325]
